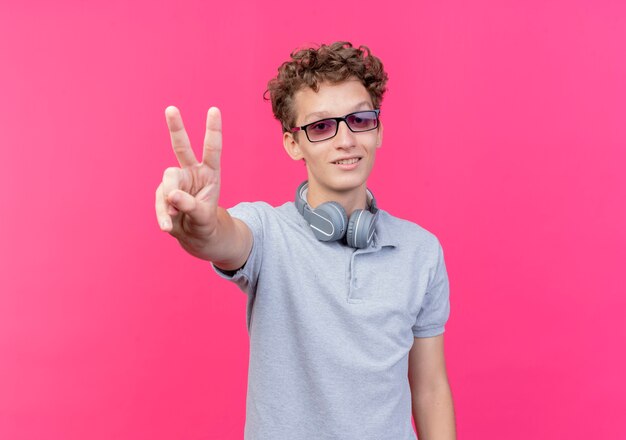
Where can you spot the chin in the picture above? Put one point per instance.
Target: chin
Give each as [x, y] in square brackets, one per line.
[340, 182]
[347, 183]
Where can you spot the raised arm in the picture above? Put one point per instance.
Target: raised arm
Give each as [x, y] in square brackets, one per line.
[187, 198]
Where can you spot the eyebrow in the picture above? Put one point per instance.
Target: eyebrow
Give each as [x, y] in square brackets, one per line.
[326, 114]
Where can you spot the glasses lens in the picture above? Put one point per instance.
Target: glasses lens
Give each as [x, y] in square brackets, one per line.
[362, 121]
[321, 130]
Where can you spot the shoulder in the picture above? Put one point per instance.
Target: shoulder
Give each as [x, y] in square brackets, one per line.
[287, 209]
[262, 213]
[408, 234]
[258, 206]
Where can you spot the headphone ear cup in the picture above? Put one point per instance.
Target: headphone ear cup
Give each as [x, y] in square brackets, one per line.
[359, 227]
[329, 221]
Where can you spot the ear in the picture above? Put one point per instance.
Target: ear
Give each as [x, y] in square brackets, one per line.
[291, 146]
[379, 141]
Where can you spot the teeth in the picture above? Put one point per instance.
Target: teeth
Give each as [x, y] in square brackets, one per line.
[347, 161]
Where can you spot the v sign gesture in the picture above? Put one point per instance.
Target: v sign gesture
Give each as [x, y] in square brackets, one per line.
[187, 198]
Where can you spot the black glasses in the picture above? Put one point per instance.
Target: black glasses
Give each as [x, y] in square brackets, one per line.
[324, 129]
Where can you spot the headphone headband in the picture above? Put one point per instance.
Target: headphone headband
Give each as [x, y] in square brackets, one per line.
[302, 205]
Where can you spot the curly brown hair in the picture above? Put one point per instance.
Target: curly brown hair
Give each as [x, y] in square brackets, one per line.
[334, 63]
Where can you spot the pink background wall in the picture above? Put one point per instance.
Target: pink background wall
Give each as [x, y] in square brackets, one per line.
[504, 135]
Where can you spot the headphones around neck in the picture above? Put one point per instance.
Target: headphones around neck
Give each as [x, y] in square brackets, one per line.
[329, 221]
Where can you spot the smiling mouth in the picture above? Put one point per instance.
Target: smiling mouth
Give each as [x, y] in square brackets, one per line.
[347, 161]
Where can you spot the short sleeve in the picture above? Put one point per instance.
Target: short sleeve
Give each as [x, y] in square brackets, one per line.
[246, 277]
[435, 310]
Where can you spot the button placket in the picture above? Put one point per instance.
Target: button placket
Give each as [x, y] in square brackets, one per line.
[353, 289]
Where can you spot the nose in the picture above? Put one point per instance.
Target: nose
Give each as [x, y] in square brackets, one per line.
[345, 137]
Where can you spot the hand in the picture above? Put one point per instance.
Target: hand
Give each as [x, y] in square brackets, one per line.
[187, 198]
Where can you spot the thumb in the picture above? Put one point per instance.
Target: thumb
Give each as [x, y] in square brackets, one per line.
[195, 207]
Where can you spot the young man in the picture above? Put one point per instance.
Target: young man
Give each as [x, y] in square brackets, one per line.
[346, 303]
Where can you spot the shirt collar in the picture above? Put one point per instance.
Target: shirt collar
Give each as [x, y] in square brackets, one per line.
[383, 235]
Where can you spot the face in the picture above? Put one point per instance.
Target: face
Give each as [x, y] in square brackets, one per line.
[356, 151]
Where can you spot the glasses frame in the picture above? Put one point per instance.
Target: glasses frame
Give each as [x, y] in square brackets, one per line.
[338, 120]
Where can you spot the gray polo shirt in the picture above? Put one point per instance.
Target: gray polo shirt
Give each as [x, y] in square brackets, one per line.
[331, 327]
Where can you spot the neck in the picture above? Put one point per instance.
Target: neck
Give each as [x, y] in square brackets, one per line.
[351, 200]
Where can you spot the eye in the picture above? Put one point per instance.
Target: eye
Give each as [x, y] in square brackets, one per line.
[362, 121]
[322, 126]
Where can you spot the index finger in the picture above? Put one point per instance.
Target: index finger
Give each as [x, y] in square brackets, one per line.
[180, 140]
[213, 139]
